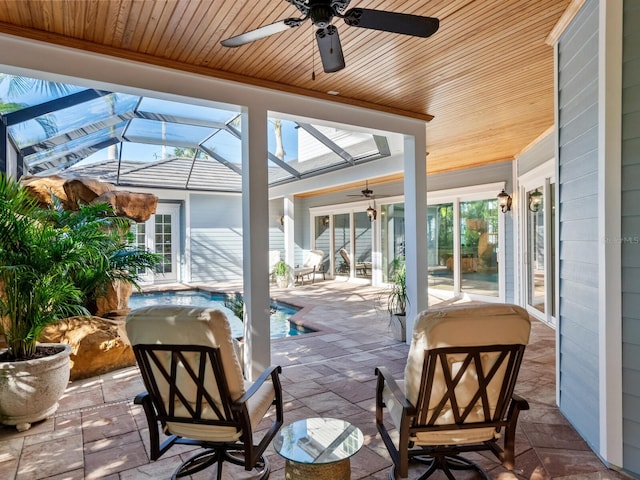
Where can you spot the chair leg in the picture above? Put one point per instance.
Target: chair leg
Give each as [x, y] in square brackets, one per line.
[446, 463]
[219, 456]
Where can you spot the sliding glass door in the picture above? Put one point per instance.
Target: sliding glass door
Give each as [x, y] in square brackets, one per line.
[537, 190]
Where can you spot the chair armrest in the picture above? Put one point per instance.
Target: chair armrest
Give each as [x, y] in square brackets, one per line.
[272, 371]
[384, 376]
[518, 402]
[140, 398]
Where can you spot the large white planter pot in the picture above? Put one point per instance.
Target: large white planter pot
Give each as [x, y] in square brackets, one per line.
[30, 389]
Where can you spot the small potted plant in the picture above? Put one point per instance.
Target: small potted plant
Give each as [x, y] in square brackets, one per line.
[282, 274]
[397, 300]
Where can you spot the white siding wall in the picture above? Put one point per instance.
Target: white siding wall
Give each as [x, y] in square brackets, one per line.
[631, 236]
[578, 235]
[216, 238]
[541, 152]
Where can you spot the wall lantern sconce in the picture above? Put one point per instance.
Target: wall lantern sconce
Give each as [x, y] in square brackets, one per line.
[281, 219]
[372, 213]
[504, 200]
[535, 200]
[325, 220]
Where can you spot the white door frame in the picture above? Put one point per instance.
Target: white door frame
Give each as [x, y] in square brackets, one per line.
[172, 209]
[543, 177]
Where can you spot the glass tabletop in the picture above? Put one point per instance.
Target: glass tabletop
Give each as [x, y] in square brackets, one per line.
[318, 440]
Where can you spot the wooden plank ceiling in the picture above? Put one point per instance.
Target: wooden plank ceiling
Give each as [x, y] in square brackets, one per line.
[486, 76]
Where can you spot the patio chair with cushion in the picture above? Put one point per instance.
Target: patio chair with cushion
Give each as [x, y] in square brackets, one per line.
[360, 267]
[457, 394]
[311, 266]
[196, 393]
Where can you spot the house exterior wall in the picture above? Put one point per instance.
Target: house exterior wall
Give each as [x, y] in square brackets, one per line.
[631, 236]
[578, 341]
[541, 152]
[216, 237]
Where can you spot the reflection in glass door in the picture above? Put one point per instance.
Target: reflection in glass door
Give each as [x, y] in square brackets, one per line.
[392, 236]
[440, 245]
[363, 245]
[539, 254]
[342, 240]
[323, 239]
[479, 247]
[535, 250]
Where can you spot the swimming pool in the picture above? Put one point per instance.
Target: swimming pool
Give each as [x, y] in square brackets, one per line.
[280, 312]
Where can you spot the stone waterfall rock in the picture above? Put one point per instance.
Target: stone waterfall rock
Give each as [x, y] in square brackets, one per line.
[98, 345]
[136, 206]
[115, 298]
[85, 190]
[44, 187]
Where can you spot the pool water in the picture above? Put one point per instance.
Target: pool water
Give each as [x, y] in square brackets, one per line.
[281, 313]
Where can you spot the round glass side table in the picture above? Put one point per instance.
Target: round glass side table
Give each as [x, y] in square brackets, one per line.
[318, 448]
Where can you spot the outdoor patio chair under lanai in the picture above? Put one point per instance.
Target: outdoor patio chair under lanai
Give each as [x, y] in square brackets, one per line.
[457, 394]
[361, 267]
[311, 266]
[196, 393]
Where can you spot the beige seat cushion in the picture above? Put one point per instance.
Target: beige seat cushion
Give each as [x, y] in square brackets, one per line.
[183, 325]
[463, 325]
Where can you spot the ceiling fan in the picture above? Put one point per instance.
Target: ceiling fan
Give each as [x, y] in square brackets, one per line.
[322, 12]
[366, 193]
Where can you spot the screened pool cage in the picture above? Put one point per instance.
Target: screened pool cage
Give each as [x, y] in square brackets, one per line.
[146, 141]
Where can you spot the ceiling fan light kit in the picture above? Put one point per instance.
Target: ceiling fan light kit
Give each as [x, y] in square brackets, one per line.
[322, 13]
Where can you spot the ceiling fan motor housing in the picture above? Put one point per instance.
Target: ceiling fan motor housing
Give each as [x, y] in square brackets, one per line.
[320, 13]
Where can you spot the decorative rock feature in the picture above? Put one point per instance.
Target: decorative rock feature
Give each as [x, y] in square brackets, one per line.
[85, 190]
[97, 345]
[136, 206]
[115, 299]
[71, 191]
[44, 187]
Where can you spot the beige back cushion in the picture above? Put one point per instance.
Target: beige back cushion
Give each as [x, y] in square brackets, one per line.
[314, 259]
[183, 325]
[463, 325]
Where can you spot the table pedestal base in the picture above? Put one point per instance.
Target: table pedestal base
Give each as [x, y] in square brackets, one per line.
[328, 471]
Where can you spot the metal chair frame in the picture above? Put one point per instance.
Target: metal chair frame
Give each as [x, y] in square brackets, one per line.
[417, 418]
[229, 412]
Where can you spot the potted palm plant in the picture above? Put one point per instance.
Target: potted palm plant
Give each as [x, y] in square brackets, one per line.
[53, 264]
[397, 300]
[36, 289]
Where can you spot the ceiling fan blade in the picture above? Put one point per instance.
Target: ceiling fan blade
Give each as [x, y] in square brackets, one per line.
[330, 49]
[403, 23]
[262, 32]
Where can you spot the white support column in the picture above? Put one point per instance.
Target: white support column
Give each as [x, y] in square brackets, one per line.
[610, 229]
[415, 205]
[289, 231]
[255, 241]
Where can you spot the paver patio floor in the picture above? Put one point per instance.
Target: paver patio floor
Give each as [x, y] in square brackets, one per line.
[98, 433]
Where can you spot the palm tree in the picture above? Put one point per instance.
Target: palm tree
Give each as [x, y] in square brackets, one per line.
[15, 86]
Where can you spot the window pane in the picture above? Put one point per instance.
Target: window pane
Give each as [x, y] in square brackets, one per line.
[440, 245]
[392, 224]
[479, 247]
[363, 245]
[342, 236]
[535, 249]
[323, 239]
